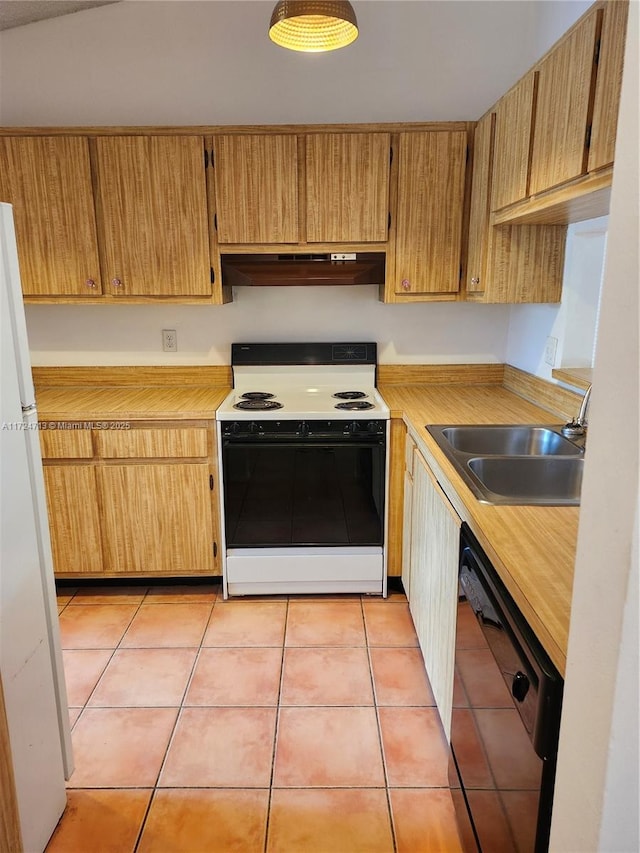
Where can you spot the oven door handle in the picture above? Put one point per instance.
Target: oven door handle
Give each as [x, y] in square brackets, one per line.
[301, 443]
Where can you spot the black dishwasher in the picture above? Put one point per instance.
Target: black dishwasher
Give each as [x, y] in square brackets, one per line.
[506, 717]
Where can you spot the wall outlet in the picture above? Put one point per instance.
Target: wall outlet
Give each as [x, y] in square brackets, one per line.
[169, 340]
[550, 351]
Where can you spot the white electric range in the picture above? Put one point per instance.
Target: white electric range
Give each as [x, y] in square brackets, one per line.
[302, 446]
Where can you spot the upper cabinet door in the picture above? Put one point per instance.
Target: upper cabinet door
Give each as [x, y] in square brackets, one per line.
[562, 114]
[347, 187]
[48, 181]
[608, 84]
[479, 213]
[514, 116]
[153, 203]
[431, 176]
[256, 182]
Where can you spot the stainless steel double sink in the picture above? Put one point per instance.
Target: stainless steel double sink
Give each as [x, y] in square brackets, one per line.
[514, 465]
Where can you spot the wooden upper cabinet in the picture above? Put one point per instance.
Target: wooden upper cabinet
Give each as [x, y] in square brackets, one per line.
[431, 178]
[608, 84]
[48, 182]
[152, 202]
[480, 206]
[562, 114]
[347, 187]
[514, 116]
[256, 186]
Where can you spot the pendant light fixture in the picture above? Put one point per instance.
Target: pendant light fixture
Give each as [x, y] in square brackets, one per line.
[313, 26]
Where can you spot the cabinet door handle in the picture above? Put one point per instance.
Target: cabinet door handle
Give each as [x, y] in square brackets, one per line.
[90, 282]
[475, 280]
[406, 284]
[116, 282]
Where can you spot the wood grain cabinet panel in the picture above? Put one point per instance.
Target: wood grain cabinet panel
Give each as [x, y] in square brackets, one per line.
[74, 519]
[152, 202]
[48, 182]
[479, 229]
[66, 444]
[566, 77]
[608, 84]
[157, 518]
[514, 118]
[347, 187]
[171, 443]
[431, 180]
[435, 545]
[256, 186]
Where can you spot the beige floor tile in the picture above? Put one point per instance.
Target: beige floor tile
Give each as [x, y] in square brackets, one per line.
[120, 747]
[399, 677]
[325, 623]
[329, 821]
[183, 594]
[389, 623]
[95, 626]
[221, 747]
[231, 676]
[82, 671]
[328, 747]
[424, 820]
[110, 595]
[144, 678]
[335, 676]
[246, 623]
[167, 625]
[415, 749]
[206, 821]
[100, 822]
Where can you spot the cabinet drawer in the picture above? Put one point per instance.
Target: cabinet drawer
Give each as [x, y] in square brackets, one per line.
[156, 443]
[66, 444]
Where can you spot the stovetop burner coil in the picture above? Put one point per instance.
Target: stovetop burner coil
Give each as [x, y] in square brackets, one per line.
[355, 405]
[259, 405]
[256, 395]
[349, 395]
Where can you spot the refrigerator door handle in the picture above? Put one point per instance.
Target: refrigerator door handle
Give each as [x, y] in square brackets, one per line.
[29, 409]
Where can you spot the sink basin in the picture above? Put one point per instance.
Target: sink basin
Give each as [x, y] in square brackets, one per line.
[510, 441]
[529, 479]
[514, 464]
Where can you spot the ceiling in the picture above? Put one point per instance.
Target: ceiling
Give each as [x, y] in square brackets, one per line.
[16, 13]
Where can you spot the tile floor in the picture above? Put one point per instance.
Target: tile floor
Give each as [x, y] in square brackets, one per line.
[300, 725]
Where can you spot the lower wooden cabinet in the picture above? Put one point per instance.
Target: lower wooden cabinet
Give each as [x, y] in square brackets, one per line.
[74, 518]
[432, 548]
[139, 501]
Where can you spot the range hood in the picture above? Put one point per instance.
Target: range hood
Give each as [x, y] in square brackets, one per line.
[299, 270]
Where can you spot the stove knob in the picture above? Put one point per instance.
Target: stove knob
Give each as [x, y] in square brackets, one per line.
[253, 427]
[373, 426]
[303, 428]
[233, 428]
[353, 427]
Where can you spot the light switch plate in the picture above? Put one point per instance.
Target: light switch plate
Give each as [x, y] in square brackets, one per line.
[550, 351]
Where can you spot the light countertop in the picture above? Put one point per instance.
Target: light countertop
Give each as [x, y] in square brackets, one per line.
[532, 548]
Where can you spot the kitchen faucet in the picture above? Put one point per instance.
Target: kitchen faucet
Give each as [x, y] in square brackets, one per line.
[578, 426]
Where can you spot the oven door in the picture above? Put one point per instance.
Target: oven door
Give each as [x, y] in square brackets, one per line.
[304, 492]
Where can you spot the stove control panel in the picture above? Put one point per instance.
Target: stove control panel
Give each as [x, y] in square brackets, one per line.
[301, 430]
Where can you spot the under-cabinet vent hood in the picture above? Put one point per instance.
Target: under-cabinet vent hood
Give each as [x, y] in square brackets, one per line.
[311, 269]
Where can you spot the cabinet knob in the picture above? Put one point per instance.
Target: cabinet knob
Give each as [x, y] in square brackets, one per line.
[116, 282]
[475, 280]
[90, 282]
[406, 284]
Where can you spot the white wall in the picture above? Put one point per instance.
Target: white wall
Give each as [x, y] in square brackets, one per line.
[442, 332]
[186, 62]
[597, 794]
[573, 322]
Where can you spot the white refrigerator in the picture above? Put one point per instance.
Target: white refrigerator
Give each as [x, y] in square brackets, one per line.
[30, 654]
